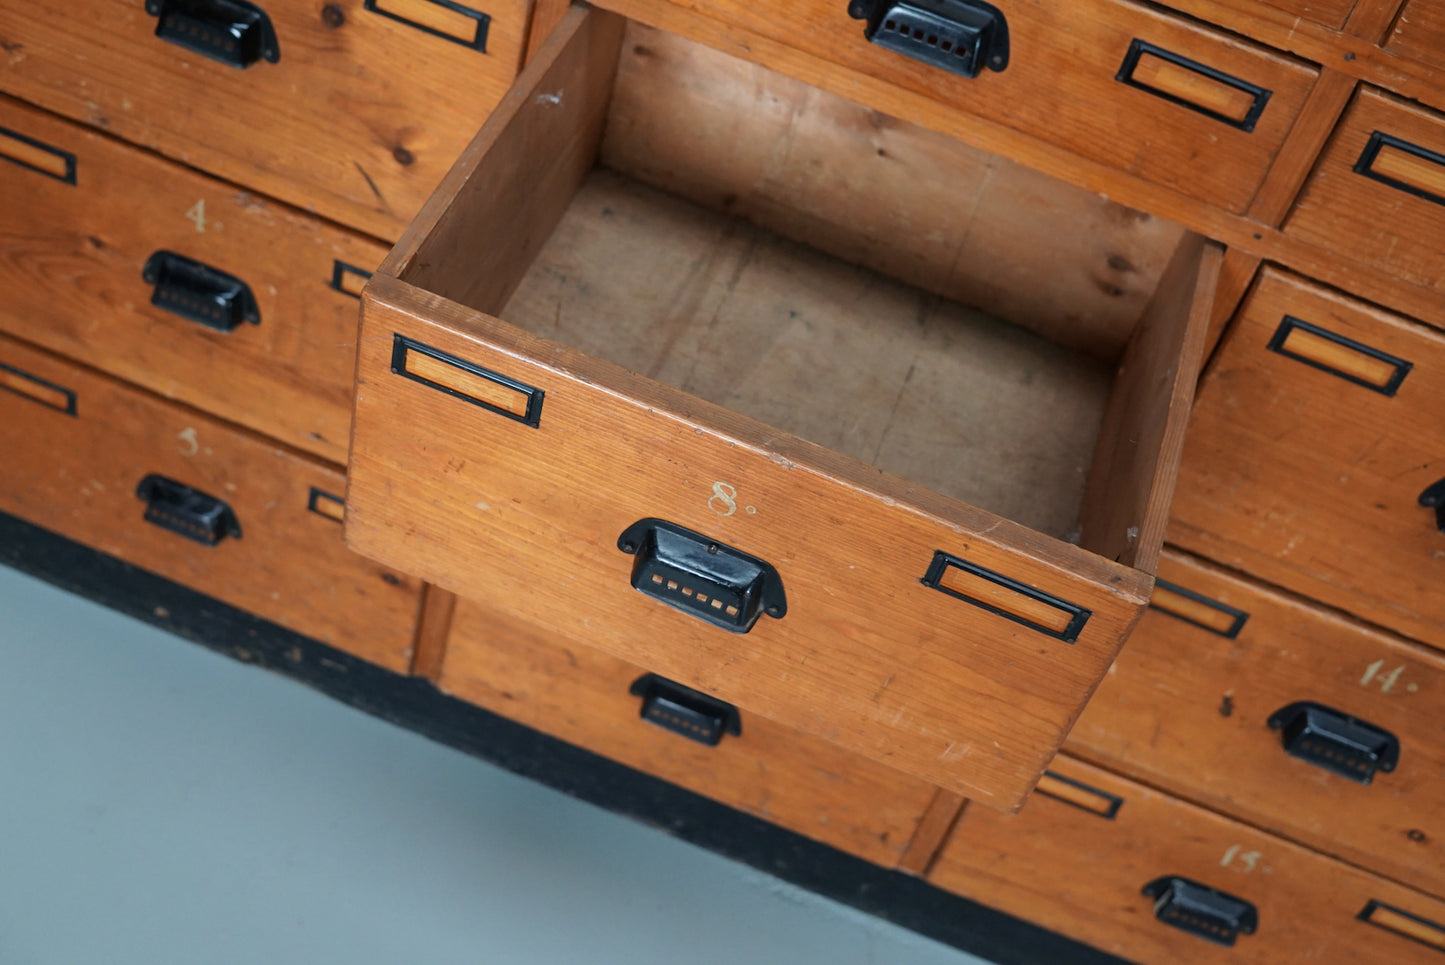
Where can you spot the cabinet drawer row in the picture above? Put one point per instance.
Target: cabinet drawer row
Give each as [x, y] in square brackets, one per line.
[351, 108]
[1315, 455]
[1155, 880]
[194, 500]
[1267, 708]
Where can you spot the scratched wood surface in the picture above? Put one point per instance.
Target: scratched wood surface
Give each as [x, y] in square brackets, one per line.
[1310, 481]
[1389, 226]
[1073, 871]
[1200, 730]
[565, 688]
[734, 136]
[918, 386]
[70, 268]
[440, 487]
[357, 121]
[1094, 115]
[1419, 33]
[77, 475]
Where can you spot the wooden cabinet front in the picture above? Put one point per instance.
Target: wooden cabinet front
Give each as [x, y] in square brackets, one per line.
[194, 500]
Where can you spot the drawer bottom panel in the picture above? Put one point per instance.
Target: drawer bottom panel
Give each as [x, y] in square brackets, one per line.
[212, 507]
[582, 696]
[1080, 855]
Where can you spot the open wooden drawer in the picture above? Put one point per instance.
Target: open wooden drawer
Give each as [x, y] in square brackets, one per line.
[871, 601]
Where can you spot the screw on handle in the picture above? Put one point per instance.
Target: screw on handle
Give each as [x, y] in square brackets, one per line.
[1434, 498]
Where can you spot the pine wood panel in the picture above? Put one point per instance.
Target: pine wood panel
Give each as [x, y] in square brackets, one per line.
[1094, 115]
[1310, 481]
[1292, 165]
[70, 279]
[1131, 482]
[1384, 225]
[1419, 33]
[357, 120]
[867, 656]
[749, 141]
[77, 475]
[1074, 871]
[565, 688]
[1185, 708]
[848, 662]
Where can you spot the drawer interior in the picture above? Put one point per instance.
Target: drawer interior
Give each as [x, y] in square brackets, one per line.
[941, 397]
[875, 288]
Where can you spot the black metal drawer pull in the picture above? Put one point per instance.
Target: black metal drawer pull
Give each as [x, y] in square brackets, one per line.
[685, 711]
[1201, 910]
[181, 509]
[232, 31]
[1434, 498]
[1335, 741]
[959, 36]
[199, 293]
[699, 576]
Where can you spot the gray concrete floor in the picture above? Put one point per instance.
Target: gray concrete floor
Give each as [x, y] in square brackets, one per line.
[162, 804]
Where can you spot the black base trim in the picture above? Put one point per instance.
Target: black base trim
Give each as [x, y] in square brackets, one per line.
[418, 706]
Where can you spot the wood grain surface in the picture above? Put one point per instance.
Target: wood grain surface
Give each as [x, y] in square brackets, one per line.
[1377, 223]
[77, 475]
[1131, 481]
[867, 656]
[916, 205]
[1198, 726]
[1094, 115]
[1073, 871]
[564, 688]
[612, 446]
[1310, 481]
[357, 121]
[70, 268]
[1419, 33]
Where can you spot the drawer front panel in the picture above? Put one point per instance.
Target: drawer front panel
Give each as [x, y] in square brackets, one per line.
[1377, 194]
[1419, 32]
[1314, 436]
[1148, 93]
[580, 695]
[1079, 855]
[357, 119]
[507, 469]
[73, 254]
[1189, 701]
[225, 513]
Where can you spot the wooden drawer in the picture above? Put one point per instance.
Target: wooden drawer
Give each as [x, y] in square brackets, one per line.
[1078, 857]
[567, 689]
[78, 447]
[1130, 86]
[1377, 194]
[912, 628]
[82, 216]
[1315, 433]
[359, 117]
[1199, 725]
[1419, 32]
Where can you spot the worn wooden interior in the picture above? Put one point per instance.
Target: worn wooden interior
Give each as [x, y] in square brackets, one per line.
[836, 274]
